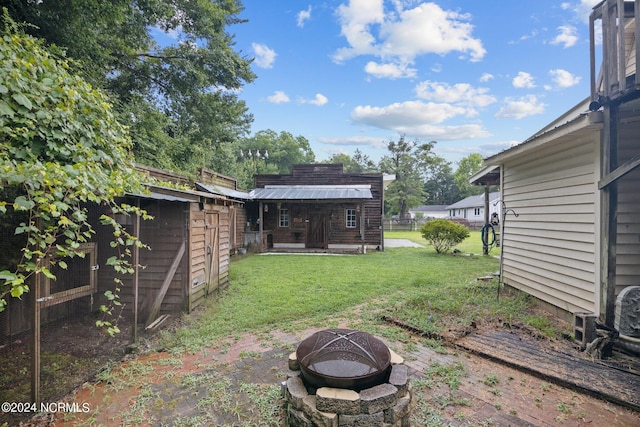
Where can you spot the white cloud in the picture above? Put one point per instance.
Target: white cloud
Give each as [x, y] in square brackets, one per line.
[303, 15]
[265, 56]
[485, 77]
[584, 8]
[459, 93]
[355, 140]
[563, 78]
[319, 100]
[567, 37]
[405, 114]
[279, 97]
[419, 119]
[355, 21]
[429, 29]
[399, 36]
[523, 81]
[391, 71]
[521, 107]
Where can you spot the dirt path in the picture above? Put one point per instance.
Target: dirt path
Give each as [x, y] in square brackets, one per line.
[238, 384]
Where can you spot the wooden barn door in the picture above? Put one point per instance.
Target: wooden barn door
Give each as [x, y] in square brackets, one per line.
[212, 250]
[317, 230]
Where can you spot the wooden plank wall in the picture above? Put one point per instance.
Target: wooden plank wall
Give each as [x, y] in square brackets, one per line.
[164, 235]
[628, 244]
[549, 250]
[198, 288]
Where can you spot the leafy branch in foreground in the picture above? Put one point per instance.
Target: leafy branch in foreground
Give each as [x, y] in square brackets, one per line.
[61, 150]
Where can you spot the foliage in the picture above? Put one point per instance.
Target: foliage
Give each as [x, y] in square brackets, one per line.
[467, 167]
[440, 184]
[284, 150]
[444, 234]
[358, 163]
[180, 97]
[61, 149]
[408, 161]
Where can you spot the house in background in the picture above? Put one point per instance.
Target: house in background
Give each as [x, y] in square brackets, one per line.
[473, 208]
[429, 211]
[316, 207]
[574, 244]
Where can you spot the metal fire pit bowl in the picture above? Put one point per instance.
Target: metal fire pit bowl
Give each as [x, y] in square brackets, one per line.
[343, 358]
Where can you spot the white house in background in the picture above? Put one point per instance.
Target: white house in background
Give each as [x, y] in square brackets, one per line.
[429, 211]
[472, 208]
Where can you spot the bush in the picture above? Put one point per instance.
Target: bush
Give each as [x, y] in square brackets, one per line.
[444, 234]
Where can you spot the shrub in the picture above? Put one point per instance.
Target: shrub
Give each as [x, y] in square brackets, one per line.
[444, 234]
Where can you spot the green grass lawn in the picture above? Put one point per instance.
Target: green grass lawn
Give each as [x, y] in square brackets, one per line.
[434, 292]
[472, 245]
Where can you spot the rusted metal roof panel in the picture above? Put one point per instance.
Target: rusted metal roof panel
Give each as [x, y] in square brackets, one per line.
[223, 191]
[312, 192]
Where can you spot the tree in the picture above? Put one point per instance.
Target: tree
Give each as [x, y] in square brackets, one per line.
[408, 161]
[467, 167]
[179, 99]
[359, 163]
[440, 184]
[283, 150]
[61, 148]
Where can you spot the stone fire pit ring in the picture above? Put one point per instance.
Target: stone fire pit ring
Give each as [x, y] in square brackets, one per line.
[343, 358]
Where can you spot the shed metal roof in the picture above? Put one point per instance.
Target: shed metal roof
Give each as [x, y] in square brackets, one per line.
[223, 191]
[166, 197]
[312, 192]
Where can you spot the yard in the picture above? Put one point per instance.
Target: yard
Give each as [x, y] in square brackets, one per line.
[223, 364]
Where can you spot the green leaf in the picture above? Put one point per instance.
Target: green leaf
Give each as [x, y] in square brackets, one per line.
[5, 109]
[21, 203]
[48, 273]
[22, 100]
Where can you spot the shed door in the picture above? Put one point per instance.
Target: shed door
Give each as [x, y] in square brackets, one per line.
[316, 231]
[212, 250]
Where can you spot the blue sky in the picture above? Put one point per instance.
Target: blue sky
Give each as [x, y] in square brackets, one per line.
[475, 76]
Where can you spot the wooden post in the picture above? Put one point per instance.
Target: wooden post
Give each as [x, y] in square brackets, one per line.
[609, 214]
[35, 340]
[362, 228]
[136, 275]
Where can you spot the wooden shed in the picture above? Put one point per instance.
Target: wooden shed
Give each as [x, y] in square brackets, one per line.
[316, 207]
[190, 238]
[575, 242]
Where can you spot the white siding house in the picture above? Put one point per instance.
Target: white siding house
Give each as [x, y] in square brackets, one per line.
[550, 181]
[429, 211]
[472, 208]
[570, 199]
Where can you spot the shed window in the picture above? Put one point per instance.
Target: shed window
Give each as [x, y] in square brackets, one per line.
[476, 211]
[351, 218]
[284, 218]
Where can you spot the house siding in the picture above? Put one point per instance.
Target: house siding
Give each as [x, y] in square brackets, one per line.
[549, 249]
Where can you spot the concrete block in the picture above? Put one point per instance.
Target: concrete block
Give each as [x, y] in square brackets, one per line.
[361, 420]
[399, 378]
[396, 413]
[293, 362]
[296, 392]
[337, 400]
[318, 418]
[378, 398]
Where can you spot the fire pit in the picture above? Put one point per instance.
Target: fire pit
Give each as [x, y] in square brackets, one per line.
[343, 358]
[345, 377]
